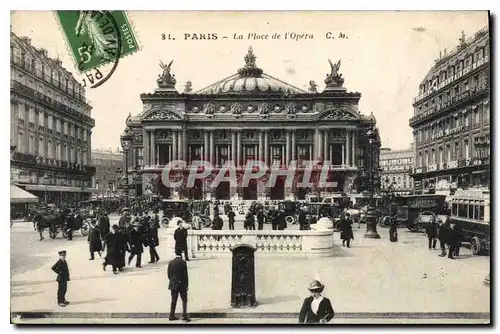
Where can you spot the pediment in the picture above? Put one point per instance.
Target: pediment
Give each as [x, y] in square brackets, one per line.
[162, 114]
[338, 114]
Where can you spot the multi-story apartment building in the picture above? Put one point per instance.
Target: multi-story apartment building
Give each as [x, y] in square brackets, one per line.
[451, 122]
[51, 126]
[396, 168]
[109, 168]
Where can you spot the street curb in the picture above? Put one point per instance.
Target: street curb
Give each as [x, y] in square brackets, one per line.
[254, 315]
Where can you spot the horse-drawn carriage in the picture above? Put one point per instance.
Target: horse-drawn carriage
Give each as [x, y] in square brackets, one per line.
[63, 221]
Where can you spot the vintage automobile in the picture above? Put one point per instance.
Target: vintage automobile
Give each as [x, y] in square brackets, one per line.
[470, 213]
[415, 211]
[291, 209]
[175, 208]
[200, 210]
[319, 210]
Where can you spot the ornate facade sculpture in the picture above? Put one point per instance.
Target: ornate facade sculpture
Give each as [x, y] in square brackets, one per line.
[338, 115]
[163, 114]
[209, 109]
[163, 135]
[137, 138]
[334, 79]
[236, 109]
[313, 87]
[291, 110]
[263, 110]
[166, 79]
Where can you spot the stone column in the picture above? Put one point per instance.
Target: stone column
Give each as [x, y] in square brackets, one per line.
[261, 146]
[310, 152]
[266, 147]
[343, 154]
[320, 145]
[348, 147]
[233, 146]
[174, 145]
[217, 153]
[145, 147]
[184, 145]
[316, 143]
[212, 147]
[294, 155]
[287, 148]
[152, 158]
[170, 153]
[238, 148]
[325, 145]
[205, 147]
[283, 155]
[180, 142]
[353, 148]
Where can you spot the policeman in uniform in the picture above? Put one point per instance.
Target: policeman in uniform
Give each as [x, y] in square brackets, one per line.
[62, 271]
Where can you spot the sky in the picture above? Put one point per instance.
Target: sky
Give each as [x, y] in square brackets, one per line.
[384, 57]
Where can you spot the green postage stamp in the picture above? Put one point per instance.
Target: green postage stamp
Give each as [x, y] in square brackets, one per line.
[97, 38]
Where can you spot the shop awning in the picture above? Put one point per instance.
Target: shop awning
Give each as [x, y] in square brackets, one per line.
[18, 195]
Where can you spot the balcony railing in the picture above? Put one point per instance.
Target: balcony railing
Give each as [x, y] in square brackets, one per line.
[51, 103]
[47, 78]
[452, 164]
[31, 158]
[452, 79]
[458, 99]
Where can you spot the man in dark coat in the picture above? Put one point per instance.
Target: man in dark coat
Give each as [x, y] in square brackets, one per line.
[178, 285]
[113, 255]
[180, 237]
[230, 217]
[94, 239]
[302, 219]
[260, 218]
[62, 271]
[124, 220]
[431, 229]
[135, 245]
[457, 239]
[443, 236]
[249, 221]
[153, 242]
[281, 220]
[103, 225]
[346, 233]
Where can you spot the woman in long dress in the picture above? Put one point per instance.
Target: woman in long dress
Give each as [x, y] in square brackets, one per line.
[316, 309]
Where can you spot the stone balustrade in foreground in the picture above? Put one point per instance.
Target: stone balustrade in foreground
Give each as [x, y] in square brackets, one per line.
[211, 244]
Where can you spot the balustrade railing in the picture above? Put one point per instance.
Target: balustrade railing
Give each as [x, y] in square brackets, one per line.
[210, 243]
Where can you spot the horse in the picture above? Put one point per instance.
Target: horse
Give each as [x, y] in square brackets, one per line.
[48, 222]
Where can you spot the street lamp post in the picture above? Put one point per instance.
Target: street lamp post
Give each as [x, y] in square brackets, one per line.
[126, 141]
[45, 178]
[371, 218]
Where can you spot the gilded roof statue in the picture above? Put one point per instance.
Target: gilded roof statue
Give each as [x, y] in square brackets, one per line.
[166, 79]
[334, 79]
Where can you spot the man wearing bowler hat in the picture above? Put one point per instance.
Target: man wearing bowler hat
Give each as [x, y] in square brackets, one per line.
[62, 271]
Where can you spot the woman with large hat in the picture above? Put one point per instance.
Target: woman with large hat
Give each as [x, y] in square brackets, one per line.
[316, 309]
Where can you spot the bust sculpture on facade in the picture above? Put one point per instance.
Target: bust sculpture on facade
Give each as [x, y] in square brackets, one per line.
[188, 87]
[313, 87]
[334, 79]
[166, 79]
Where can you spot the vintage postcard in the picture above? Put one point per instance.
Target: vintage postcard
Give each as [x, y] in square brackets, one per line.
[239, 167]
